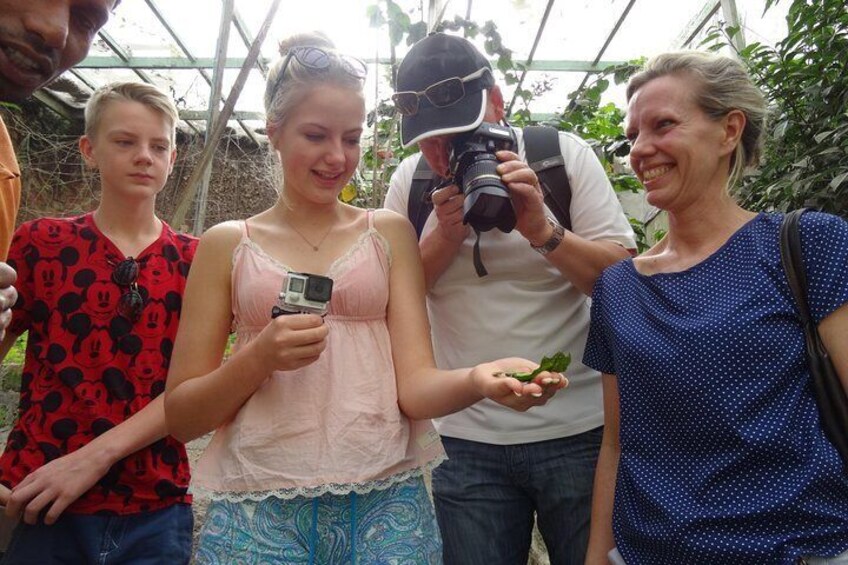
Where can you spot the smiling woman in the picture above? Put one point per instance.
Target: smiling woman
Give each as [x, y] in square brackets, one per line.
[706, 319]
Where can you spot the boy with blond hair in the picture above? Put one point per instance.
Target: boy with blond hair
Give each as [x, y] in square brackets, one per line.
[89, 461]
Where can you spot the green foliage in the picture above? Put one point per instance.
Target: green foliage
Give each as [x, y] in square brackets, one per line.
[382, 155]
[10, 381]
[602, 124]
[640, 234]
[805, 161]
[17, 351]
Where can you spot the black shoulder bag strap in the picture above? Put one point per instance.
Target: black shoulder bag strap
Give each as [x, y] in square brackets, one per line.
[541, 145]
[420, 205]
[830, 395]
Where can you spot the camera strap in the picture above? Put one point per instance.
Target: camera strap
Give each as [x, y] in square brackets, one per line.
[478, 260]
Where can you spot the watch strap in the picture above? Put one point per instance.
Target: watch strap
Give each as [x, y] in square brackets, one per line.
[553, 241]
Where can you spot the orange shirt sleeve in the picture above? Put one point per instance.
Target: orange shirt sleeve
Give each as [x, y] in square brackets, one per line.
[10, 190]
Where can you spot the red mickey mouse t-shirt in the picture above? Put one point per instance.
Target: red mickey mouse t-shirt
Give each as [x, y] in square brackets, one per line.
[87, 368]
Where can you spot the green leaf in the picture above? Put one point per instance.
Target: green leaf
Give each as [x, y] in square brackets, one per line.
[557, 363]
[417, 32]
[819, 137]
[375, 16]
[838, 180]
[504, 64]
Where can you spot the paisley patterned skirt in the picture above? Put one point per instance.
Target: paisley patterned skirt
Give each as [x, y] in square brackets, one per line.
[392, 526]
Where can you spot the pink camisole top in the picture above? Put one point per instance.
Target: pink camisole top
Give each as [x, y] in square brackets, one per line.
[335, 425]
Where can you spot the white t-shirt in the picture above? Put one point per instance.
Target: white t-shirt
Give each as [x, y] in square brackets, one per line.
[523, 307]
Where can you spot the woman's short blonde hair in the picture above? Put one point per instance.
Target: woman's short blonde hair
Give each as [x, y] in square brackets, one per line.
[723, 85]
[140, 92]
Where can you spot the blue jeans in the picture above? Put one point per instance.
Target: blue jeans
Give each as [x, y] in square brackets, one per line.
[161, 537]
[486, 497]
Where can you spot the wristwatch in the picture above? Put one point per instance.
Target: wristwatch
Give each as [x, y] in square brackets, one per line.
[553, 241]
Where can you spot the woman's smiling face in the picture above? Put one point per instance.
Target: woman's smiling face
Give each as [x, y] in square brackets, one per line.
[319, 143]
[679, 153]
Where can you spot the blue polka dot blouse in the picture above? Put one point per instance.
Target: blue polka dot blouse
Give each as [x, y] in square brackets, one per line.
[723, 459]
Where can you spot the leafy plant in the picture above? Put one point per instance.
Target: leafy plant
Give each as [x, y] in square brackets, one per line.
[602, 124]
[381, 157]
[805, 161]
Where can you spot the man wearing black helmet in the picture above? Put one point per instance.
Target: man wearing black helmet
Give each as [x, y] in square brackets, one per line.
[523, 289]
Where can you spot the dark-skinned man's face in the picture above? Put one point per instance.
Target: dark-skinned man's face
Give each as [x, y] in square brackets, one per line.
[40, 39]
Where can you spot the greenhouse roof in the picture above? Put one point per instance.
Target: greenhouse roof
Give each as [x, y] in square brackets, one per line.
[175, 44]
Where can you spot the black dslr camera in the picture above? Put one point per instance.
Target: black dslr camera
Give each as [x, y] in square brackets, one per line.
[474, 168]
[304, 293]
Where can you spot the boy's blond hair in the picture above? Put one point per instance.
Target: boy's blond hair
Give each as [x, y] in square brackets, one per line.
[140, 92]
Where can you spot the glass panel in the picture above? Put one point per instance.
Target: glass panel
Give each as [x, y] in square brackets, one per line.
[575, 32]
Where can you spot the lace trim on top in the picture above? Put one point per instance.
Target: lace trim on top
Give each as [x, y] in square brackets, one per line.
[341, 261]
[333, 271]
[315, 492]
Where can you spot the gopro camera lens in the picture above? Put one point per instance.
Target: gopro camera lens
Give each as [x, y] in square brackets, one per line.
[319, 289]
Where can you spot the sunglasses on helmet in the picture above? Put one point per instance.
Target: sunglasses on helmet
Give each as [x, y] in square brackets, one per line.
[443, 93]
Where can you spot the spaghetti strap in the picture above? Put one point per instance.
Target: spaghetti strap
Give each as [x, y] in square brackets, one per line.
[246, 229]
[370, 213]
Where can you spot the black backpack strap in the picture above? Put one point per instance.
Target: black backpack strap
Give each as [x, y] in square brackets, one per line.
[541, 145]
[419, 205]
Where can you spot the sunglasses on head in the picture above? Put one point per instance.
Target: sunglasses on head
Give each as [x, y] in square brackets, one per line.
[442, 94]
[131, 302]
[318, 59]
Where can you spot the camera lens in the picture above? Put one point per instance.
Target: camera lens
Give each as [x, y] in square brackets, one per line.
[487, 203]
[475, 168]
[319, 289]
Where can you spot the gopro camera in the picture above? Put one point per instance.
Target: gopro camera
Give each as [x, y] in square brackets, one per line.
[304, 293]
